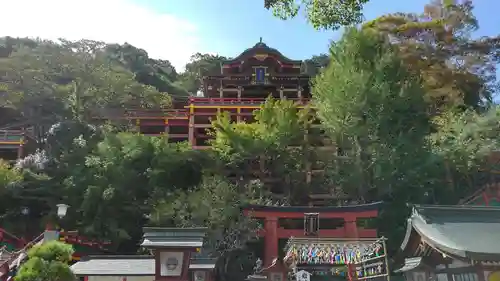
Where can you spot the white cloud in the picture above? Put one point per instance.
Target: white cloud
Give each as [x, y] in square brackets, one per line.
[113, 21]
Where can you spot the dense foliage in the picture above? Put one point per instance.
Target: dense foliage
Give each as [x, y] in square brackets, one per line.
[322, 14]
[49, 262]
[395, 117]
[391, 150]
[457, 69]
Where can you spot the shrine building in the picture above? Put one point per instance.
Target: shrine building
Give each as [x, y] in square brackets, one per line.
[451, 243]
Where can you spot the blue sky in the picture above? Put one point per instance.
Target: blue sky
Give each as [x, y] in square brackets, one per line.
[228, 27]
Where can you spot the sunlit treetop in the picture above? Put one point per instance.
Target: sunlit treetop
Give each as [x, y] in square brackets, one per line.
[322, 14]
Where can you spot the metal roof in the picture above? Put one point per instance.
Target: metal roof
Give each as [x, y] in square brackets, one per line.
[160, 237]
[468, 232]
[410, 264]
[128, 265]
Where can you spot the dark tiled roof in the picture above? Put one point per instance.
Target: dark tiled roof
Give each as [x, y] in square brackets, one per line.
[127, 265]
[469, 232]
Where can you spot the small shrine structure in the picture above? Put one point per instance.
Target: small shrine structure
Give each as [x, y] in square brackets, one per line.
[451, 243]
[172, 258]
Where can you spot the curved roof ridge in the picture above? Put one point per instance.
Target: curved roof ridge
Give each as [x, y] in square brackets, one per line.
[262, 47]
[456, 207]
[468, 232]
[348, 208]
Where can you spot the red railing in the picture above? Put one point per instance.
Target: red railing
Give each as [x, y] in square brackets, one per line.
[8, 264]
[157, 113]
[239, 100]
[18, 241]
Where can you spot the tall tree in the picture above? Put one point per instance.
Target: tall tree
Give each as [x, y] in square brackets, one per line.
[467, 142]
[457, 69]
[199, 66]
[314, 65]
[373, 108]
[160, 74]
[272, 149]
[69, 81]
[217, 204]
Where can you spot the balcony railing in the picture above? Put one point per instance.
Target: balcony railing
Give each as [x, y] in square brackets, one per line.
[198, 100]
[157, 113]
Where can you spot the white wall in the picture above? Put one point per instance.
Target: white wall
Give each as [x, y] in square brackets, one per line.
[120, 278]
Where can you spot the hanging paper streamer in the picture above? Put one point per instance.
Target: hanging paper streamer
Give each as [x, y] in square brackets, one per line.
[374, 269]
[334, 253]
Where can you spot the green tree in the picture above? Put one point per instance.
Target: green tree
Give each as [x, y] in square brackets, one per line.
[322, 14]
[48, 262]
[457, 69]
[373, 108]
[71, 80]
[157, 73]
[199, 66]
[217, 204]
[116, 184]
[9, 179]
[313, 65]
[466, 141]
[8, 175]
[272, 147]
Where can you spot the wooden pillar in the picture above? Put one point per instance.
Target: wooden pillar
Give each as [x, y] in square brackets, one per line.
[221, 92]
[350, 226]
[271, 240]
[20, 149]
[138, 125]
[240, 89]
[191, 137]
[167, 128]
[351, 231]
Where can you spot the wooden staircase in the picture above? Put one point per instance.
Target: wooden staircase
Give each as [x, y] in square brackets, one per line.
[4, 255]
[11, 260]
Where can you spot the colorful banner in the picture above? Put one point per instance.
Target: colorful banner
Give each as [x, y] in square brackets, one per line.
[333, 253]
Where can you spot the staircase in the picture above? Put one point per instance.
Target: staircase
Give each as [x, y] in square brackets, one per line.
[4, 255]
[4, 258]
[11, 260]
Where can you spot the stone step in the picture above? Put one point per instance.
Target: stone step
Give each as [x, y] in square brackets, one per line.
[5, 256]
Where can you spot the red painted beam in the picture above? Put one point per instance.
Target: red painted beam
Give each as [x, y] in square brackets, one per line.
[338, 233]
[153, 122]
[299, 215]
